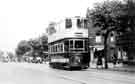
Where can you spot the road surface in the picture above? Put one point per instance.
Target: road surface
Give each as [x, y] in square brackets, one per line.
[24, 73]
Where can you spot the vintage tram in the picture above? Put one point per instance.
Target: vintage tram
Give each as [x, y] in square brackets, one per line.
[68, 44]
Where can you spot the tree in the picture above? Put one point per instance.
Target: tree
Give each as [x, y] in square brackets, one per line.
[44, 45]
[109, 16]
[22, 48]
[11, 56]
[39, 46]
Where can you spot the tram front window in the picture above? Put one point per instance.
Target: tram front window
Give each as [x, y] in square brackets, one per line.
[71, 44]
[78, 44]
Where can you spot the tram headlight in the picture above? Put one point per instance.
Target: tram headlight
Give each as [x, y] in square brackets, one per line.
[76, 60]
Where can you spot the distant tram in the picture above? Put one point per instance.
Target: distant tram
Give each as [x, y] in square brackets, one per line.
[68, 44]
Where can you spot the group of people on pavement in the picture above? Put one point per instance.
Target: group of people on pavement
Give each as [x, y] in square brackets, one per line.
[100, 55]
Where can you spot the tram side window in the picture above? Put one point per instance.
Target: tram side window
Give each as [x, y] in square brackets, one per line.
[61, 48]
[68, 23]
[66, 45]
[51, 48]
[58, 48]
[55, 48]
[79, 44]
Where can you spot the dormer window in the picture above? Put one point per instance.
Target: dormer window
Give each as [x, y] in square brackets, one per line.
[68, 23]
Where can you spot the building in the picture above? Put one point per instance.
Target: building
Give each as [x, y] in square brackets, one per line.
[96, 42]
[126, 45]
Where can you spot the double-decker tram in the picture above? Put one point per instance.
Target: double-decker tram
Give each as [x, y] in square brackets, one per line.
[68, 44]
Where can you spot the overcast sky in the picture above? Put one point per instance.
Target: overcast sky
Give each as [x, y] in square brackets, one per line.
[25, 19]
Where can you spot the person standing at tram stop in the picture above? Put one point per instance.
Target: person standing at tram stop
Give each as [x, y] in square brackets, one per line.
[114, 60]
[99, 54]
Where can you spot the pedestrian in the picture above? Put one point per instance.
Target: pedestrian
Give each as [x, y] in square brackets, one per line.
[99, 59]
[95, 53]
[114, 60]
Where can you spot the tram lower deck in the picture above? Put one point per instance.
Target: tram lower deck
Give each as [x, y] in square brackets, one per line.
[69, 54]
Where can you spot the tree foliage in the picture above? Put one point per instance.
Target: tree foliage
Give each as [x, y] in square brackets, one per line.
[111, 16]
[11, 56]
[22, 48]
[33, 47]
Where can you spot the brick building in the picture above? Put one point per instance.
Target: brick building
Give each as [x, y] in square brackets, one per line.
[126, 44]
[96, 41]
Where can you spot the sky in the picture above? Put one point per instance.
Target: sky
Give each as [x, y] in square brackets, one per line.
[25, 19]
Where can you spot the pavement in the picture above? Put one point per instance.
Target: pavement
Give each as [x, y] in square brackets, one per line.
[118, 67]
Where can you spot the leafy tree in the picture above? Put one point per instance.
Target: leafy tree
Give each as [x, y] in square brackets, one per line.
[1, 55]
[110, 16]
[22, 48]
[39, 46]
[11, 56]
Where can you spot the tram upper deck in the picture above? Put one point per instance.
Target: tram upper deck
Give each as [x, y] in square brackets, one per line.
[68, 28]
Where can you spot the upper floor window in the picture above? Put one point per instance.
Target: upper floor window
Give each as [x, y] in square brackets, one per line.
[98, 39]
[79, 22]
[85, 23]
[82, 23]
[68, 23]
[112, 38]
